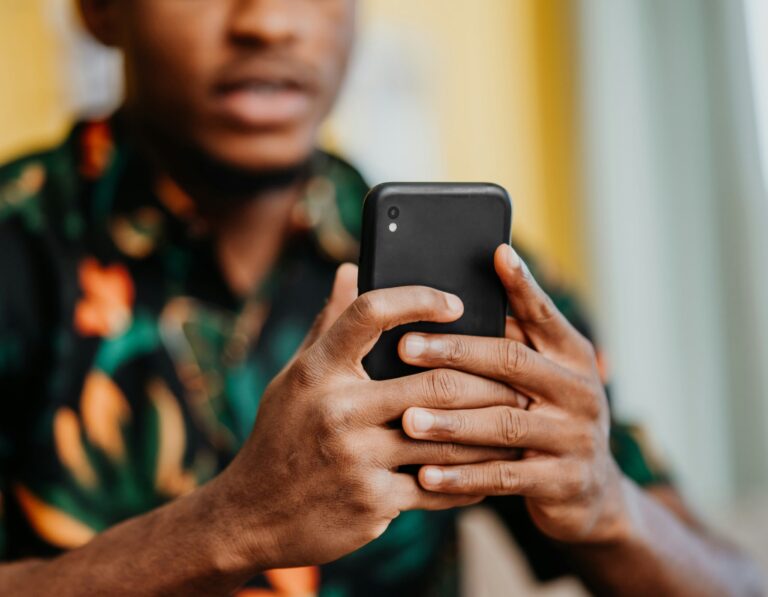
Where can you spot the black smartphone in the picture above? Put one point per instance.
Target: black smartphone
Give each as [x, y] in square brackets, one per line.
[441, 235]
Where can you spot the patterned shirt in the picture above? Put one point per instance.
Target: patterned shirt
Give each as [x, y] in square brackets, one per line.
[130, 373]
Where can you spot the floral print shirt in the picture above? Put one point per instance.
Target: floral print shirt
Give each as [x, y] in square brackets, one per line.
[130, 374]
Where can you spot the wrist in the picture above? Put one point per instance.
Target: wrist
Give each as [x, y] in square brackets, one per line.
[240, 541]
[625, 520]
[615, 516]
[621, 522]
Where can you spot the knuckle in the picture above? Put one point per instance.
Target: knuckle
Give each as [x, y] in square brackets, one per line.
[456, 425]
[362, 503]
[592, 410]
[334, 417]
[305, 371]
[466, 478]
[512, 356]
[456, 350]
[380, 459]
[584, 388]
[326, 415]
[544, 309]
[586, 441]
[505, 479]
[448, 452]
[373, 490]
[575, 482]
[525, 273]
[568, 489]
[424, 298]
[442, 387]
[591, 398]
[513, 427]
[343, 413]
[364, 308]
[350, 454]
[430, 299]
[326, 450]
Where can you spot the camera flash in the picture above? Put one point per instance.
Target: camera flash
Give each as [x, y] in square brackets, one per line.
[392, 227]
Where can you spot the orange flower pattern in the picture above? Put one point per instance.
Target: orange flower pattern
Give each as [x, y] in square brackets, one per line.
[96, 149]
[288, 582]
[108, 294]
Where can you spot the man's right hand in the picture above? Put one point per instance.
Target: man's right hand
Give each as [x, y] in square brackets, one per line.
[318, 478]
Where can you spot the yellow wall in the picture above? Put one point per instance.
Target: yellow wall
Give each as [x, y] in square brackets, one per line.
[32, 102]
[506, 107]
[561, 219]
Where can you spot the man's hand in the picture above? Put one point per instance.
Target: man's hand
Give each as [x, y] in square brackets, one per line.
[567, 473]
[318, 478]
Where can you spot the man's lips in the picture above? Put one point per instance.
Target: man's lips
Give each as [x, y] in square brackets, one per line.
[263, 103]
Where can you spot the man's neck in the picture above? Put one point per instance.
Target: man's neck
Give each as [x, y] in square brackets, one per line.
[248, 215]
[250, 237]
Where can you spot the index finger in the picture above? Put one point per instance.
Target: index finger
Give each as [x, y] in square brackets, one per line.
[535, 312]
[362, 323]
[440, 388]
[343, 294]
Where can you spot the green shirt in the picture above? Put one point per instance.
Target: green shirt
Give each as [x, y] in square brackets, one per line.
[129, 373]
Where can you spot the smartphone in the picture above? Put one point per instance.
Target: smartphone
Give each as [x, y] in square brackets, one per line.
[441, 235]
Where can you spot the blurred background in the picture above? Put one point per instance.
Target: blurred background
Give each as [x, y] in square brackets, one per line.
[633, 137]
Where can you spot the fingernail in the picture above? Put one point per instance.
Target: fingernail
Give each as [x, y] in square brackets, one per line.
[454, 303]
[422, 420]
[415, 345]
[513, 259]
[433, 476]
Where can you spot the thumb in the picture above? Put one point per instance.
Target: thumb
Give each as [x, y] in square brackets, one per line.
[342, 296]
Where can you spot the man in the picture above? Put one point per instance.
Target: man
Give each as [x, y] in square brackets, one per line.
[159, 273]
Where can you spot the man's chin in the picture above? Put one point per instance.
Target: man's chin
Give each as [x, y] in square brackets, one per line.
[260, 153]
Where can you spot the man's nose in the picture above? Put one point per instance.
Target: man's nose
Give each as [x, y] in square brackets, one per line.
[264, 22]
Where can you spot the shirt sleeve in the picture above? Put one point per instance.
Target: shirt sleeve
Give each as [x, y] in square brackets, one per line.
[23, 337]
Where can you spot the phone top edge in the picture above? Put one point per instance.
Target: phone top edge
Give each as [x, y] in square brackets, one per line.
[386, 188]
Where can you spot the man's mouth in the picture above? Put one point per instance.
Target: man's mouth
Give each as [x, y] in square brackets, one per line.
[263, 102]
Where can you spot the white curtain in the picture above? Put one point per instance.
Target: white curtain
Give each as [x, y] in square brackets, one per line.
[679, 229]
[91, 74]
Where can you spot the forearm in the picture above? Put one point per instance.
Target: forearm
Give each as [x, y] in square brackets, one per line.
[660, 554]
[187, 547]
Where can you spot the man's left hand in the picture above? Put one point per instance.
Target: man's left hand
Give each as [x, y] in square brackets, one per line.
[572, 485]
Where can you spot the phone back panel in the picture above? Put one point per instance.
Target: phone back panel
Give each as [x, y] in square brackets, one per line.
[445, 237]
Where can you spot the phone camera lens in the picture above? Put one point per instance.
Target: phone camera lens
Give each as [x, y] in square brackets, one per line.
[393, 212]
